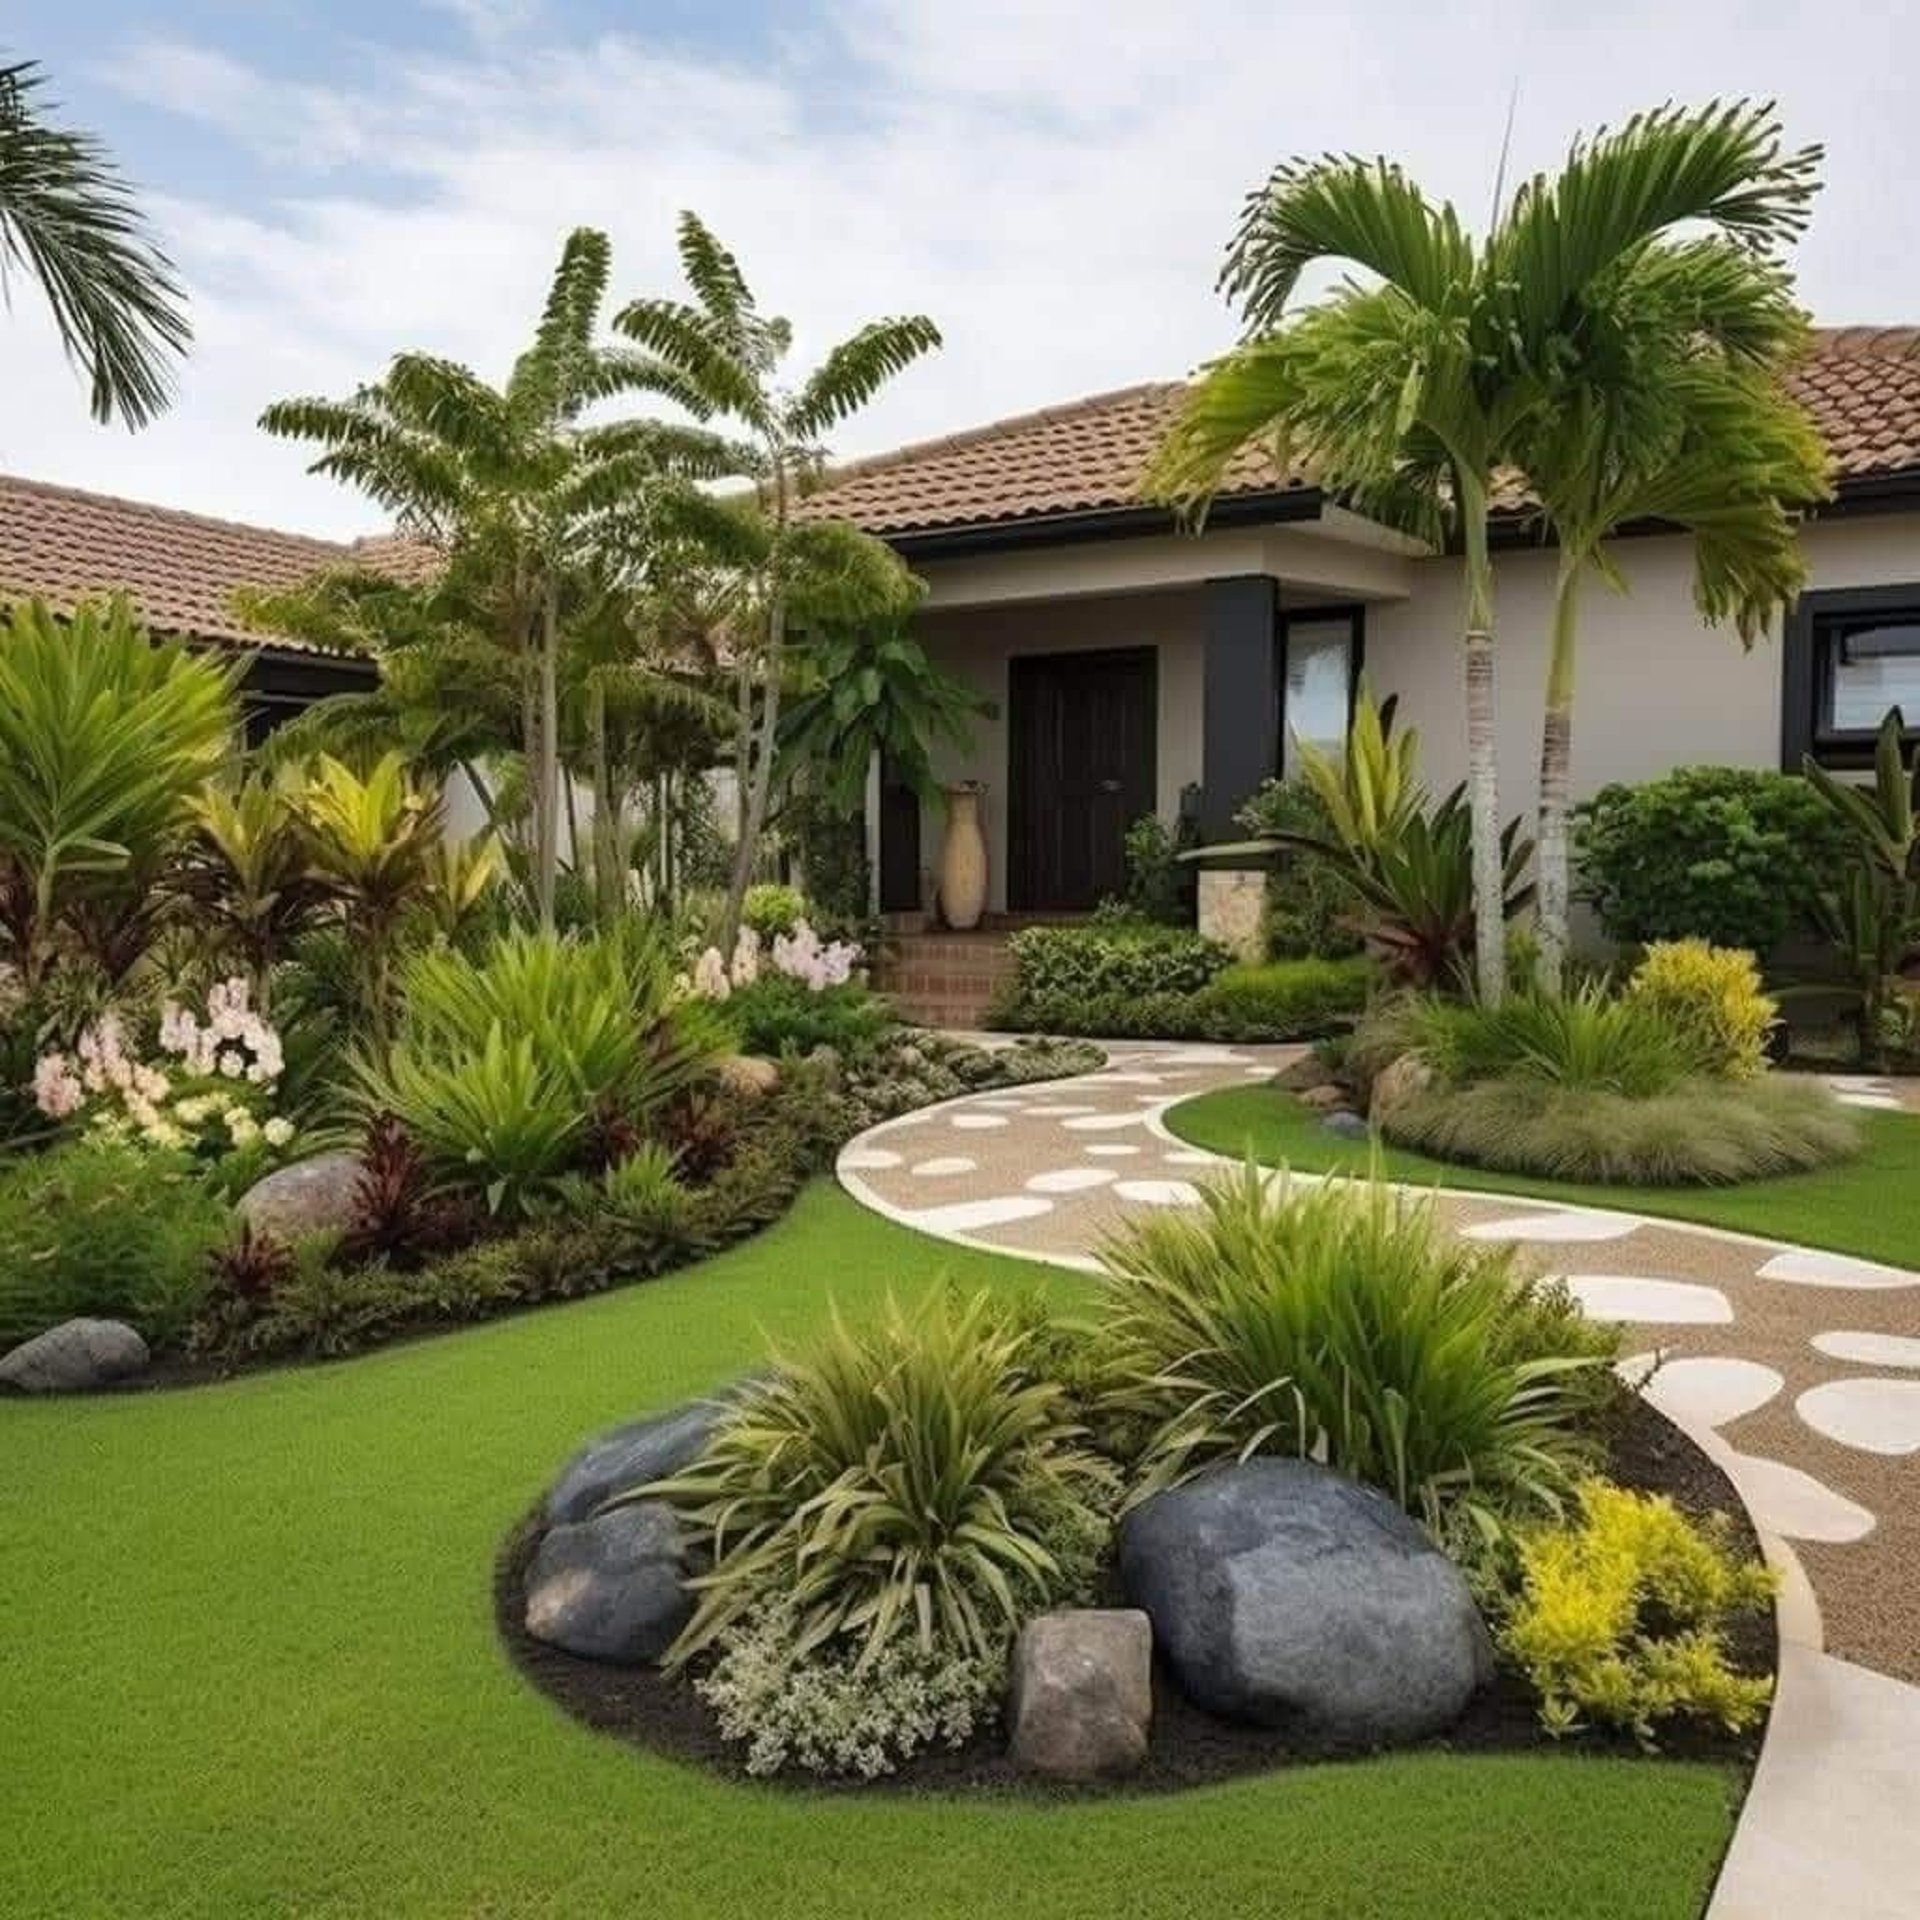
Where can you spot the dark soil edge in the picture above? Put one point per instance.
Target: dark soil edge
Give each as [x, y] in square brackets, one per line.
[1190, 1748]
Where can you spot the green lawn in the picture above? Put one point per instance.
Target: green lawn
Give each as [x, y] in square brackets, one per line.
[249, 1668]
[1869, 1205]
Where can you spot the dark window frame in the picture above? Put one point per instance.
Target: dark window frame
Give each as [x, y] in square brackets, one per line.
[1354, 612]
[1813, 629]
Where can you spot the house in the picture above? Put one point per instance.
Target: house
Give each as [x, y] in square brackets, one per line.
[180, 571]
[1131, 664]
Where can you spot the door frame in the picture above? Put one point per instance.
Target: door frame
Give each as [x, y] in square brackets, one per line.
[1021, 667]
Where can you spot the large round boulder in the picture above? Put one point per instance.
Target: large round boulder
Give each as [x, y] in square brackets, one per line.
[73, 1357]
[315, 1195]
[1286, 1595]
[612, 1588]
[652, 1449]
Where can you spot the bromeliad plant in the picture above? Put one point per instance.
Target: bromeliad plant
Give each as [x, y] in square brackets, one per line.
[909, 1482]
[1338, 1323]
[506, 1069]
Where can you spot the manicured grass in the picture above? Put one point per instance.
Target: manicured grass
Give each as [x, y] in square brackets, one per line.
[1869, 1205]
[249, 1669]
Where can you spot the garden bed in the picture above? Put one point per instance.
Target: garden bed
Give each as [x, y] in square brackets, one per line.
[1190, 1747]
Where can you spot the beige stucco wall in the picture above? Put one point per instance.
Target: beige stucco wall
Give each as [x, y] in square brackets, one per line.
[1656, 687]
[976, 644]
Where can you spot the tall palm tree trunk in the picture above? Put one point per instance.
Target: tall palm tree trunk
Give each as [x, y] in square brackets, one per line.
[1556, 771]
[1483, 778]
[760, 787]
[546, 830]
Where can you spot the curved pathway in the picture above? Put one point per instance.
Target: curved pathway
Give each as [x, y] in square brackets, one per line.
[1798, 1370]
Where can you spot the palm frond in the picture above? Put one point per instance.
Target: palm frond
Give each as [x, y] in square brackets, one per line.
[856, 370]
[70, 219]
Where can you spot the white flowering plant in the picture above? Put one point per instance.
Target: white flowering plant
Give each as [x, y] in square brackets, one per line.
[800, 955]
[205, 1085]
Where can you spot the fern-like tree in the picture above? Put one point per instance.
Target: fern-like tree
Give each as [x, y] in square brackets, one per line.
[797, 572]
[69, 220]
[1411, 390]
[515, 484]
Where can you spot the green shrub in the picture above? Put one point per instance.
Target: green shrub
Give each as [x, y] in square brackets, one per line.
[1159, 885]
[909, 1482]
[506, 1065]
[1711, 998]
[1732, 855]
[1284, 999]
[1337, 1323]
[776, 1014]
[1591, 1038]
[770, 909]
[1310, 909]
[1112, 960]
[1621, 1618]
[1693, 1133]
[107, 1231]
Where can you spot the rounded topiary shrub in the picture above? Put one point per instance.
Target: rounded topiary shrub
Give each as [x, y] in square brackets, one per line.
[1732, 855]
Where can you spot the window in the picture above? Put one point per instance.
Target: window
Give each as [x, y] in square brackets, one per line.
[1320, 661]
[1852, 653]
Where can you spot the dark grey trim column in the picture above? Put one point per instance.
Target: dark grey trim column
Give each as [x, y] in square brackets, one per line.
[1240, 700]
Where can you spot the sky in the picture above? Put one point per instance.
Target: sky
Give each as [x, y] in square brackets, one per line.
[1052, 182]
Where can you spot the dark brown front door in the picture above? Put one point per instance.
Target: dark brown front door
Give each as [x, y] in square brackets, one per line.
[1080, 771]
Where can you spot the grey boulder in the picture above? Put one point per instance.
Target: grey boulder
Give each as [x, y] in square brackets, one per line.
[315, 1195]
[1081, 1697]
[74, 1356]
[612, 1588]
[630, 1456]
[1349, 1126]
[1283, 1594]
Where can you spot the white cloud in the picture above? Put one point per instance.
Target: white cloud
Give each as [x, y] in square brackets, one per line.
[1052, 182]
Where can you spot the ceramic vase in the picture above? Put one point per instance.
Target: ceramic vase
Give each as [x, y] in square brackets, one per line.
[963, 861]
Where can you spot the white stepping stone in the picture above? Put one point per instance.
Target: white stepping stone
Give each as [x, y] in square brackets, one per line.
[869, 1159]
[1071, 1179]
[1859, 1083]
[1675, 1303]
[943, 1165]
[1190, 1157]
[1051, 1112]
[1104, 1122]
[1126, 1079]
[978, 1122]
[968, 1216]
[1877, 1416]
[1203, 1057]
[1258, 1073]
[1710, 1392]
[1003, 1101]
[1786, 1501]
[1159, 1193]
[1884, 1102]
[1808, 1267]
[1566, 1224]
[1112, 1149]
[1869, 1349]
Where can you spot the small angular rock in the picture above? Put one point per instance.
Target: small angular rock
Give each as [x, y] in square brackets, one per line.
[1081, 1698]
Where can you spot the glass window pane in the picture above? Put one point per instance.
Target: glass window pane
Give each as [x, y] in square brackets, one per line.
[1319, 683]
[1874, 668]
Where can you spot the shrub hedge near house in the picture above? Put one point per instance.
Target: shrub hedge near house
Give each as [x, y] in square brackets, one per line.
[1736, 856]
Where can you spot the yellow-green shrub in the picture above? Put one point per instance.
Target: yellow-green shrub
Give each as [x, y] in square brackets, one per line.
[1621, 1617]
[1711, 997]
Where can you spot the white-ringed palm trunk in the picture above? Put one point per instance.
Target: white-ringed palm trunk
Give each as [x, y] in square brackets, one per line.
[1483, 773]
[760, 788]
[1551, 854]
[547, 764]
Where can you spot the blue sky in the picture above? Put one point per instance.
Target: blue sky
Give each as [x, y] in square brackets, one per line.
[1051, 179]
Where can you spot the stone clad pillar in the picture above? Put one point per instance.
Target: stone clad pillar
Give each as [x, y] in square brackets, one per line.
[1240, 743]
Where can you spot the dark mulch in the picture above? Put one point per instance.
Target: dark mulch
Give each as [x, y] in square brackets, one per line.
[1190, 1748]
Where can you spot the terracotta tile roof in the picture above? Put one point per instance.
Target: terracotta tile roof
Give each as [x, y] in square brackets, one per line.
[1080, 457]
[1862, 385]
[60, 545]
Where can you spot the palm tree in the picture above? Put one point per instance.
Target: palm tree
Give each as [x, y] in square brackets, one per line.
[1726, 457]
[512, 483]
[1409, 395]
[729, 354]
[69, 219]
